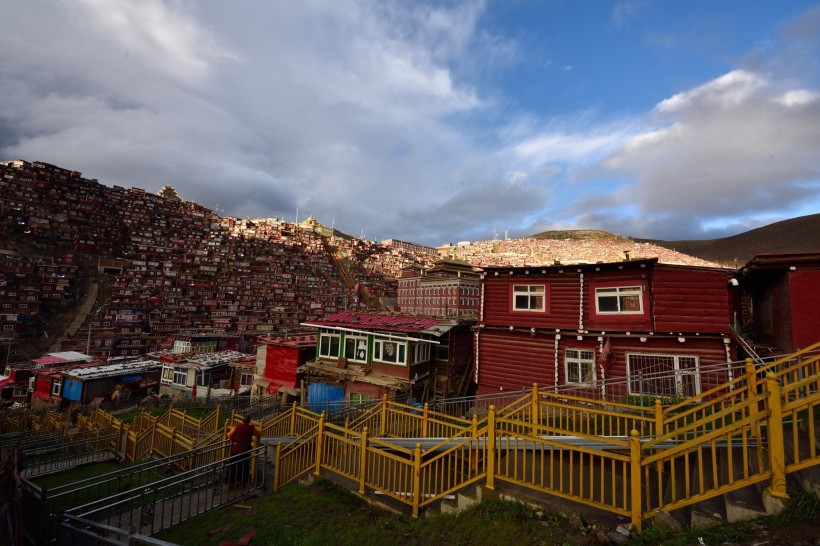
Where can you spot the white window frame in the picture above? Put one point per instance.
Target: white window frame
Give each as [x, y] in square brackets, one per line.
[531, 292]
[357, 398]
[167, 375]
[56, 386]
[356, 342]
[574, 360]
[246, 379]
[180, 373]
[331, 337]
[382, 351]
[618, 293]
[421, 352]
[677, 372]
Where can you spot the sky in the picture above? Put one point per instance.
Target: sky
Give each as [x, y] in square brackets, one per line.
[430, 122]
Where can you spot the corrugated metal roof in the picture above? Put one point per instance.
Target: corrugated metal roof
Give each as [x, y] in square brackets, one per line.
[368, 321]
[112, 370]
[61, 358]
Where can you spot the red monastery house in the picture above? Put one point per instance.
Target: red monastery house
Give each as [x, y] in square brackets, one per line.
[364, 356]
[574, 326]
[781, 302]
[277, 359]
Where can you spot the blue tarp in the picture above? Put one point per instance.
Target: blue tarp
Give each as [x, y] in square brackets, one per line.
[132, 377]
[73, 389]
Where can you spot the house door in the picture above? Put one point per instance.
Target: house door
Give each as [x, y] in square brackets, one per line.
[324, 397]
[663, 375]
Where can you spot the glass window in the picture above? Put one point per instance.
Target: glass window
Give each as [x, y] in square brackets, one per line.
[356, 348]
[528, 297]
[180, 376]
[392, 352]
[329, 345]
[579, 366]
[356, 398]
[619, 300]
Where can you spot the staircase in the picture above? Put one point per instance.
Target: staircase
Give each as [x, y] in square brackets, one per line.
[728, 452]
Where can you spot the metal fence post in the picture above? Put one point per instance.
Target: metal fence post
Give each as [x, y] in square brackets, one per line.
[425, 420]
[276, 466]
[658, 418]
[491, 448]
[384, 416]
[777, 450]
[319, 434]
[363, 462]
[417, 480]
[635, 479]
[534, 417]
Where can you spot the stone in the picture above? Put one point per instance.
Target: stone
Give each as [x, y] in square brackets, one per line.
[617, 538]
[575, 521]
[663, 520]
[703, 520]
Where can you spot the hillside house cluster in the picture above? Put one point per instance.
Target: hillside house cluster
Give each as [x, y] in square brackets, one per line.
[178, 265]
[27, 286]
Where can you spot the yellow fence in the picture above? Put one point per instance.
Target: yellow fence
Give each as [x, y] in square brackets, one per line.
[628, 460]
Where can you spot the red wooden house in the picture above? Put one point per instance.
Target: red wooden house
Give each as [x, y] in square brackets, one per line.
[577, 325]
[364, 356]
[277, 359]
[780, 308]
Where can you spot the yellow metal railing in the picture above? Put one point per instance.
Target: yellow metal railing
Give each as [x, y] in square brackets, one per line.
[625, 459]
[395, 420]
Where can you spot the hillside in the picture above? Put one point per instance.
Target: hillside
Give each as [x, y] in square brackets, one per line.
[800, 234]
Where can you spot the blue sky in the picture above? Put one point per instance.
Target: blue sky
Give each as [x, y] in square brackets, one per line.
[431, 122]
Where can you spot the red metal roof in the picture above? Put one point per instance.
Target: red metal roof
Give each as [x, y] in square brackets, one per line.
[366, 321]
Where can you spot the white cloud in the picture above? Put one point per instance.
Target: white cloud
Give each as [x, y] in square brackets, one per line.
[739, 144]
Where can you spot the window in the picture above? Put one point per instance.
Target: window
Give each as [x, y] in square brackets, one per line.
[167, 374]
[245, 379]
[357, 399]
[329, 345]
[356, 348]
[619, 300]
[180, 376]
[528, 297]
[663, 375]
[579, 366]
[56, 387]
[392, 352]
[421, 352]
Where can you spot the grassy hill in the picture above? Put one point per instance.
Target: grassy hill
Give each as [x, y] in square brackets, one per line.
[800, 234]
[580, 235]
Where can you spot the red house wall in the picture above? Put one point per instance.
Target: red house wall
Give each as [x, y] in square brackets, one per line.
[562, 306]
[514, 360]
[690, 300]
[805, 307]
[281, 363]
[617, 322]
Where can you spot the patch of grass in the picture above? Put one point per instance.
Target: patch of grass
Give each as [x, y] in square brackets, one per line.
[325, 513]
[732, 534]
[803, 508]
[77, 474]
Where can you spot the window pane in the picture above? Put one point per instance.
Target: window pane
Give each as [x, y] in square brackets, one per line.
[608, 304]
[631, 303]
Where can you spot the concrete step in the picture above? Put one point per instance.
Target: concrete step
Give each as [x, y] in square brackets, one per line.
[746, 503]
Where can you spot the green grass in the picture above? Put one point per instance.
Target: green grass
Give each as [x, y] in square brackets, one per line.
[77, 474]
[798, 521]
[325, 513]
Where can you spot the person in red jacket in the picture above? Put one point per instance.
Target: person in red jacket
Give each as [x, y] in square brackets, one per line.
[241, 437]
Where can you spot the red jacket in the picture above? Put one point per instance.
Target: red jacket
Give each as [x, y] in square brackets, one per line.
[241, 436]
